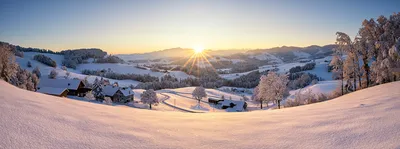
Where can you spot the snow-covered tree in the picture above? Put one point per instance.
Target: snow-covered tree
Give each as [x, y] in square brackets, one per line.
[257, 96]
[97, 90]
[199, 93]
[351, 66]
[53, 74]
[35, 81]
[273, 87]
[36, 71]
[67, 74]
[29, 84]
[21, 78]
[107, 100]
[8, 67]
[337, 72]
[149, 97]
[90, 96]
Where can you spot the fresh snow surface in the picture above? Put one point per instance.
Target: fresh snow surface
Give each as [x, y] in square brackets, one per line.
[322, 87]
[301, 55]
[130, 68]
[45, 70]
[283, 68]
[267, 56]
[364, 119]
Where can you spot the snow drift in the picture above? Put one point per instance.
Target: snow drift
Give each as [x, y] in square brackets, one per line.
[363, 119]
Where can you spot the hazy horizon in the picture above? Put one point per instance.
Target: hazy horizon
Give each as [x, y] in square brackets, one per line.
[127, 27]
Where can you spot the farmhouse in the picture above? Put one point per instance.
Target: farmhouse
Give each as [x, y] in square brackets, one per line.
[118, 94]
[60, 92]
[74, 87]
[233, 105]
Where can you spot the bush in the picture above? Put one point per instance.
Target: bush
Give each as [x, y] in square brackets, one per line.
[45, 60]
[74, 57]
[110, 59]
[308, 66]
[301, 80]
[36, 71]
[29, 65]
[53, 74]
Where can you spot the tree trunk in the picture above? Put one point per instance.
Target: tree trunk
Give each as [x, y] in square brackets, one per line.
[342, 83]
[367, 71]
[355, 81]
[150, 106]
[279, 104]
[261, 104]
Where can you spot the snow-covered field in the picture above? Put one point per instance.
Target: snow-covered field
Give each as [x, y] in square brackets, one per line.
[130, 68]
[364, 119]
[76, 73]
[283, 68]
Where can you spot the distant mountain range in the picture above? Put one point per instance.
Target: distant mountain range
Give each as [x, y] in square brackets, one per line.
[313, 50]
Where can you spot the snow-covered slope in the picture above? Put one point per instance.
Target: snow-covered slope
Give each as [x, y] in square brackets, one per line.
[364, 119]
[76, 73]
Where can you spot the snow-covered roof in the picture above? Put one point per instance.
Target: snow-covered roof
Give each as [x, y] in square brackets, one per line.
[126, 91]
[110, 90]
[51, 90]
[238, 104]
[70, 84]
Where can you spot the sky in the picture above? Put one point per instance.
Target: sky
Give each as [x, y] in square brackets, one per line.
[129, 26]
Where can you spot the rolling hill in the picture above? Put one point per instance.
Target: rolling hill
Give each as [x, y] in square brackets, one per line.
[364, 119]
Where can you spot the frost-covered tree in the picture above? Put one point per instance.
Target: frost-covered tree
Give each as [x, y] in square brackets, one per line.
[244, 98]
[8, 67]
[97, 90]
[29, 84]
[35, 81]
[350, 72]
[337, 72]
[53, 74]
[36, 71]
[67, 74]
[199, 93]
[352, 65]
[21, 78]
[257, 97]
[375, 43]
[273, 87]
[107, 100]
[90, 96]
[149, 97]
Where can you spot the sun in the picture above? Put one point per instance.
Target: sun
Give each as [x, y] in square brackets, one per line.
[198, 50]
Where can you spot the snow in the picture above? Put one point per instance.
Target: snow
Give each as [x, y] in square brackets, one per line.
[130, 68]
[322, 87]
[365, 119]
[283, 68]
[110, 90]
[60, 83]
[267, 56]
[51, 90]
[301, 55]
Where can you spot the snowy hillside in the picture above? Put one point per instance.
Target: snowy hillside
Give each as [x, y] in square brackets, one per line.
[76, 73]
[364, 119]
